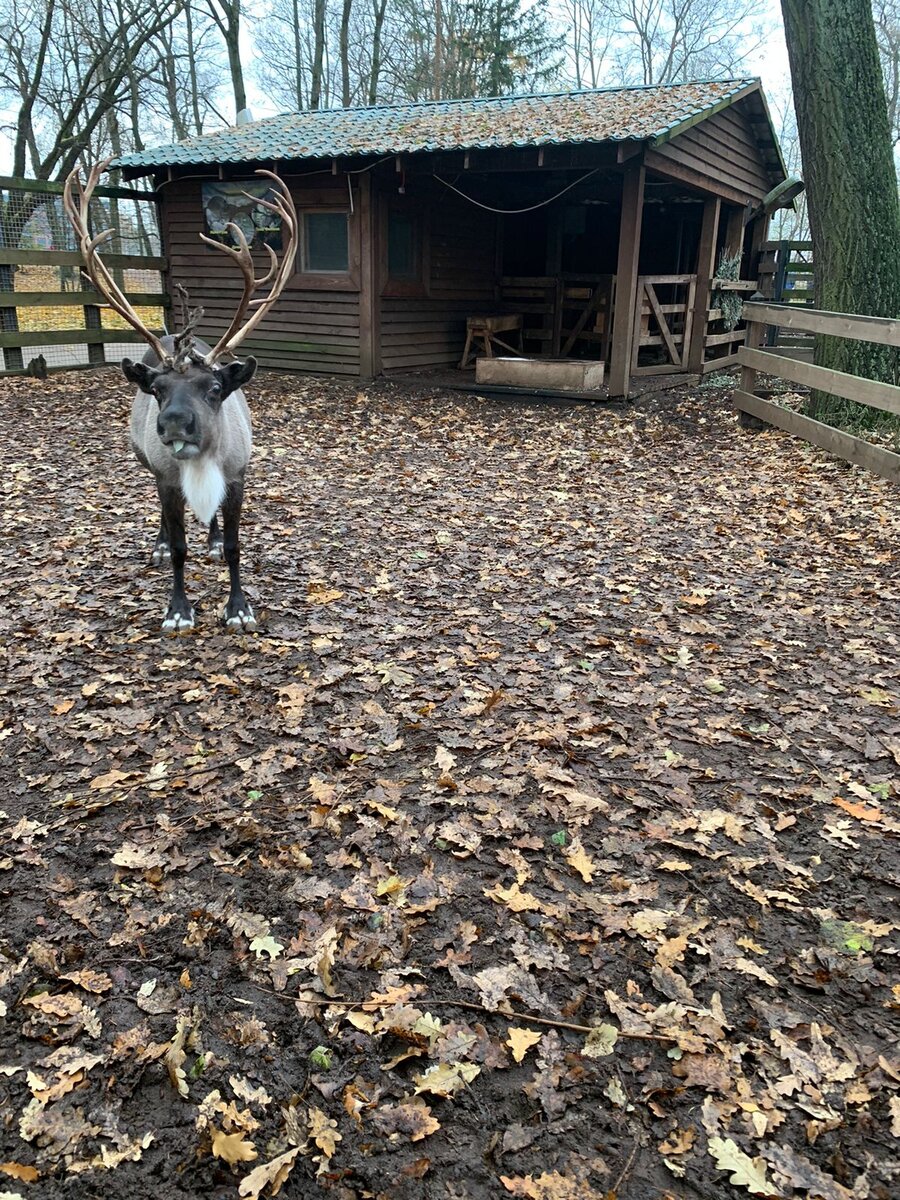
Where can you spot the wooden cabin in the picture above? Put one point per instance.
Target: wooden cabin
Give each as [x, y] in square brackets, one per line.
[583, 225]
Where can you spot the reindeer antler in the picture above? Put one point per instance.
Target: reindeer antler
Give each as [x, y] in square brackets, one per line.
[277, 275]
[76, 199]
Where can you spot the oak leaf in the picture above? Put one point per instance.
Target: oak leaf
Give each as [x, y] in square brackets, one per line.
[412, 1118]
[745, 1171]
[549, 1186]
[520, 1041]
[232, 1147]
[446, 1079]
[514, 898]
[323, 1131]
[579, 861]
[273, 1173]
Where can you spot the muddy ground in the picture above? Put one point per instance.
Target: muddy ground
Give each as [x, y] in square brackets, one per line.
[541, 842]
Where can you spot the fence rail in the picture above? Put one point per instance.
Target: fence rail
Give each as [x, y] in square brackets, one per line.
[884, 396]
[51, 317]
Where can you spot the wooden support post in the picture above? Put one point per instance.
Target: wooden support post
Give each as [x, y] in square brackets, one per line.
[9, 321]
[369, 282]
[626, 276]
[734, 234]
[553, 268]
[752, 338]
[706, 267]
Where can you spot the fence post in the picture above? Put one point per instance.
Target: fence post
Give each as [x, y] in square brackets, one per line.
[753, 337]
[96, 351]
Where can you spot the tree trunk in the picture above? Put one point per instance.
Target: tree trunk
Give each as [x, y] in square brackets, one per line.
[379, 8]
[315, 89]
[345, 52]
[192, 68]
[298, 58]
[851, 184]
[229, 23]
[438, 49]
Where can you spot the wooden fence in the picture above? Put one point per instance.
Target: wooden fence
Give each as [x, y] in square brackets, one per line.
[787, 276]
[50, 316]
[884, 396]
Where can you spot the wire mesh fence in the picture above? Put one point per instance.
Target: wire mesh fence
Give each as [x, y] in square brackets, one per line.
[50, 316]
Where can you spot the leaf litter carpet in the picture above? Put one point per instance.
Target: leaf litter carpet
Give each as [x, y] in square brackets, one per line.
[542, 842]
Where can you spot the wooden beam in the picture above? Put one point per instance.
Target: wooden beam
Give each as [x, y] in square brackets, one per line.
[12, 183]
[69, 299]
[74, 337]
[837, 383]
[630, 223]
[734, 233]
[662, 165]
[883, 330]
[835, 441]
[706, 269]
[369, 281]
[72, 258]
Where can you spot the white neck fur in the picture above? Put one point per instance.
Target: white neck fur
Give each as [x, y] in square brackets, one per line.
[203, 485]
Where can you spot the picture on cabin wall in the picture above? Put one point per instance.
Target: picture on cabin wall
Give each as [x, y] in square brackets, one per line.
[237, 202]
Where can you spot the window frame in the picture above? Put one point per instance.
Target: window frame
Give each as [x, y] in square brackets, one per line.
[327, 281]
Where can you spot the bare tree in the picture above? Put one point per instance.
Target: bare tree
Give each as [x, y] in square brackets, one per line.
[65, 65]
[590, 28]
[227, 16]
[659, 41]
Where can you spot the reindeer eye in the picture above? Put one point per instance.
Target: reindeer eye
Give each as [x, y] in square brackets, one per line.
[216, 389]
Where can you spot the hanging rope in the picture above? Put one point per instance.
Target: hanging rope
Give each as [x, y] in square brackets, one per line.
[530, 208]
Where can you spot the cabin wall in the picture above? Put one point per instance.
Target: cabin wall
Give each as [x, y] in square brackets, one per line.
[429, 329]
[722, 150]
[308, 329]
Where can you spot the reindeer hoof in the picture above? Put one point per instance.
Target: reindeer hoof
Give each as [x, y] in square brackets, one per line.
[161, 554]
[242, 621]
[174, 622]
[215, 552]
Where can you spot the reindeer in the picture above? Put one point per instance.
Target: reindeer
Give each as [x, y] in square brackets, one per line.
[190, 424]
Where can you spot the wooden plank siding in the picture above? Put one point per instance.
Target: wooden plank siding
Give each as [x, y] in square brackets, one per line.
[722, 152]
[430, 330]
[309, 329]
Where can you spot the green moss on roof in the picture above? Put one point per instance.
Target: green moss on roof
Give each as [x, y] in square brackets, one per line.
[602, 115]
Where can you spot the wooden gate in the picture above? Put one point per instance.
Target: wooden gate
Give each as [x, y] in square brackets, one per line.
[663, 321]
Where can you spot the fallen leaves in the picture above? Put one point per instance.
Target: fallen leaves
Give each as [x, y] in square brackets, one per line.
[546, 731]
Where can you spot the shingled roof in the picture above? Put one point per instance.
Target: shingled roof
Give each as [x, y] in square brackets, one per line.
[602, 115]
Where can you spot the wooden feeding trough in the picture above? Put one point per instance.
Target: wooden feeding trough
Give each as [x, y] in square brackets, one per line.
[556, 374]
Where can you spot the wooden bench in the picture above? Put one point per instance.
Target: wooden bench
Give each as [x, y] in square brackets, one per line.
[486, 327]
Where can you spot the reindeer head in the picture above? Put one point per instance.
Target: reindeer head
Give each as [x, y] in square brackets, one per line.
[185, 376]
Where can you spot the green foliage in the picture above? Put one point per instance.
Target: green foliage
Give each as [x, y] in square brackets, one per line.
[730, 303]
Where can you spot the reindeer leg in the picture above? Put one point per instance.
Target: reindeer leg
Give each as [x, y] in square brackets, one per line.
[238, 613]
[214, 541]
[161, 551]
[179, 614]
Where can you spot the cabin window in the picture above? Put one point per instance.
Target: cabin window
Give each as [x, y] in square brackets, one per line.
[404, 252]
[403, 247]
[326, 244]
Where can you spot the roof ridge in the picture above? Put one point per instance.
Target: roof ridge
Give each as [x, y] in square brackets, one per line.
[738, 81]
[577, 115]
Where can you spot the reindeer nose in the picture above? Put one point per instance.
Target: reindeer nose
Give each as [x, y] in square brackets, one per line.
[175, 420]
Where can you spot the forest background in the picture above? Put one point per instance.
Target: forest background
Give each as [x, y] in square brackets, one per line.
[97, 77]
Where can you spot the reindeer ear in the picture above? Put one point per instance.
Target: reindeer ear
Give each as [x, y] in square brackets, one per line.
[140, 373]
[236, 374]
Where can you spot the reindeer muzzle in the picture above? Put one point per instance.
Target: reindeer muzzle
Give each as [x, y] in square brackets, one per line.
[183, 450]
